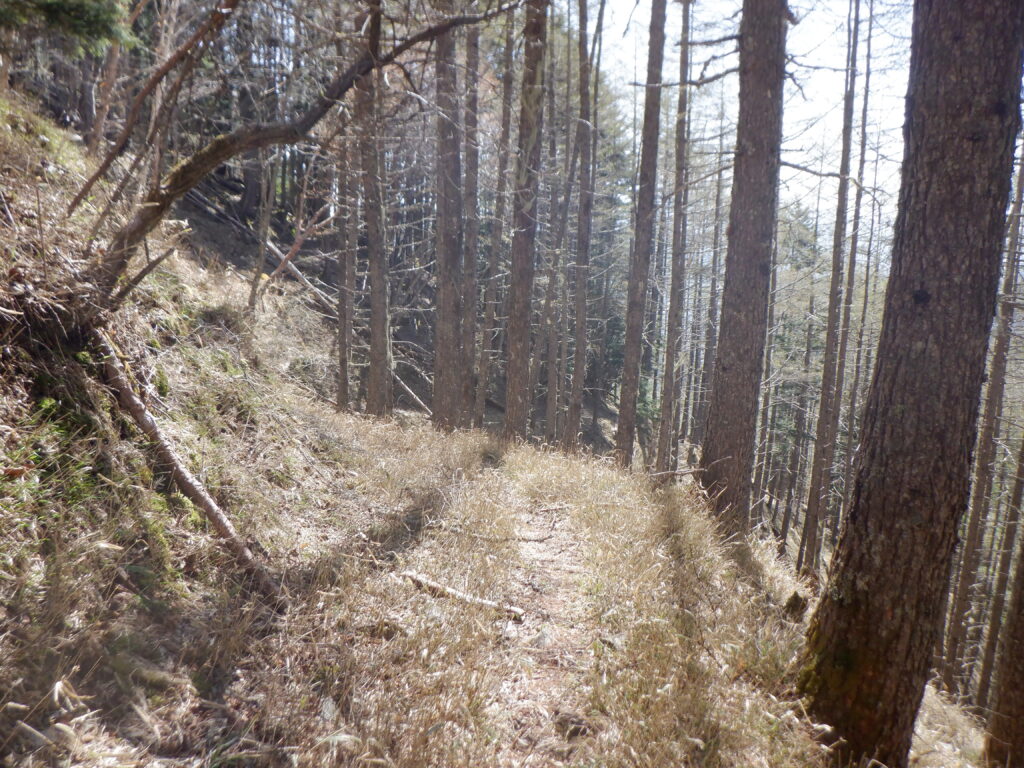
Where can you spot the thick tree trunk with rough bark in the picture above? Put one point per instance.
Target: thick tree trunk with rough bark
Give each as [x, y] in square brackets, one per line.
[524, 221]
[728, 455]
[449, 366]
[871, 639]
[643, 240]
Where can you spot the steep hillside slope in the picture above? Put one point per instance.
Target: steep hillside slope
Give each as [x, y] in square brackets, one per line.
[452, 601]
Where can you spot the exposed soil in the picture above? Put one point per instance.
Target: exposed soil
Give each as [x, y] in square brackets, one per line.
[541, 695]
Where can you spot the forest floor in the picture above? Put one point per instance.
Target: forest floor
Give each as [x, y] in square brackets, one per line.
[453, 601]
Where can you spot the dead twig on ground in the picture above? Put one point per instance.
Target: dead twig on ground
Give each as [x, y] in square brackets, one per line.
[439, 590]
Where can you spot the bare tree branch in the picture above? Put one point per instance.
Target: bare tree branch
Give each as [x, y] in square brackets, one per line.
[193, 169]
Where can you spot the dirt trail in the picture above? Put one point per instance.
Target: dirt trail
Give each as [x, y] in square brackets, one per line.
[541, 697]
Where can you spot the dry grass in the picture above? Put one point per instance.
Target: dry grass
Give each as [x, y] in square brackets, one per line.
[666, 651]
[694, 674]
[128, 638]
[945, 736]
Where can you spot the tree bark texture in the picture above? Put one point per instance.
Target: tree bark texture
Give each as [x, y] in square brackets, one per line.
[871, 639]
[379, 398]
[471, 244]
[728, 455]
[524, 221]
[449, 369]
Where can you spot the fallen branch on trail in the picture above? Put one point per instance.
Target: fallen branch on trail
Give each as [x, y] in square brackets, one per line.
[496, 539]
[188, 484]
[439, 590]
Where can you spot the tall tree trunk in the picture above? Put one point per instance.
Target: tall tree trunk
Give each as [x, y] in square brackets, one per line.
[975, 638]
[558, 217]
[695, 368]
[449, 368]
[497, 230]
[524, 220]
[584, 223]
[472, 241]
[643, 240]
[268, 177]
[870, 641]
[108, 81]
[835, 512]
[667, 433]
[346, 278]
[166, 28]
[985, 454]
[853, 415]
[563, 361]
[828, 410]
[728, 455]
[379, 397]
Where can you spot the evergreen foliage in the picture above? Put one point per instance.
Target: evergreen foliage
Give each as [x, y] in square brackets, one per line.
[90, 24]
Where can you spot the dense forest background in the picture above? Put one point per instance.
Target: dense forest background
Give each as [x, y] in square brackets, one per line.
[519, 217]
